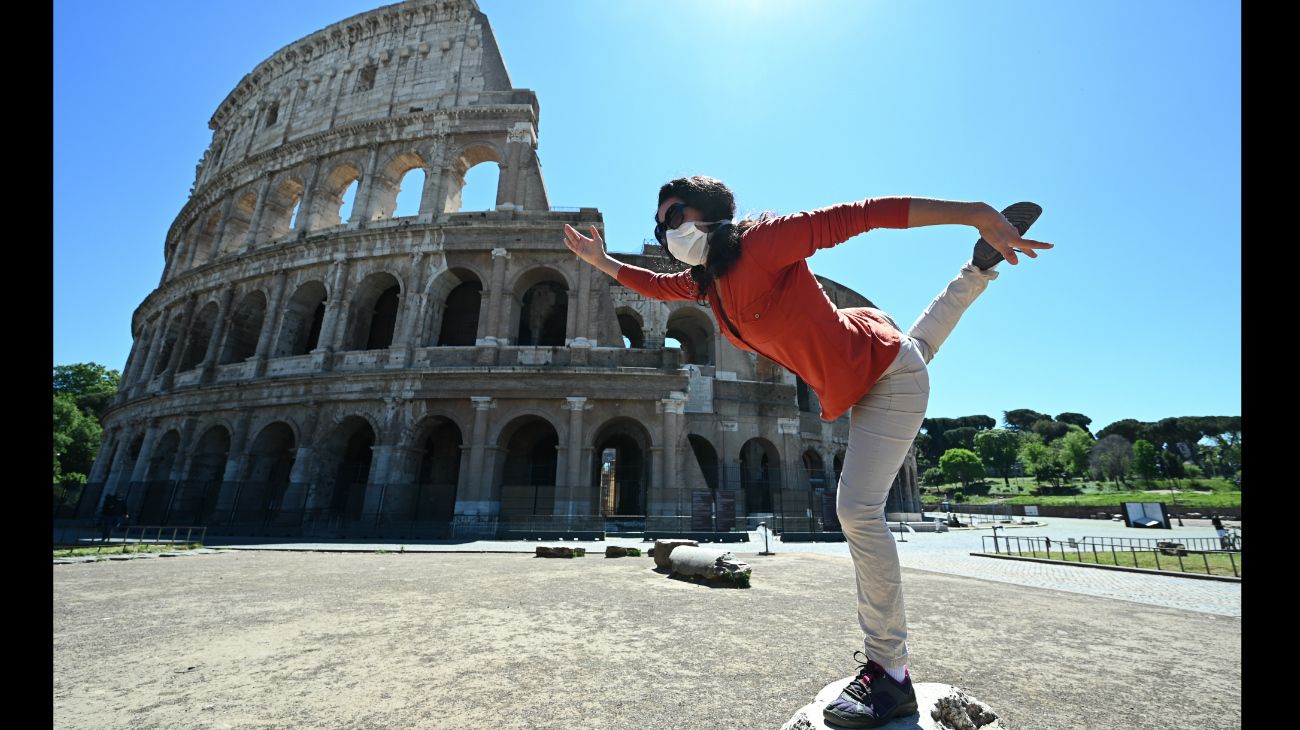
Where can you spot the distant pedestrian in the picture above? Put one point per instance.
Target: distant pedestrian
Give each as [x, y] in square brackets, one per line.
[1220, 531]
[109, 515]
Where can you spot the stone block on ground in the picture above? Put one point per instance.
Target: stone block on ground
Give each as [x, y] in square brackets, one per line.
[614, 551]
[545, 551]
[939, 707]
[664, 548]
[709, 563]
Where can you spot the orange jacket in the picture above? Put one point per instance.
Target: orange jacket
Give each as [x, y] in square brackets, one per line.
[782, 313]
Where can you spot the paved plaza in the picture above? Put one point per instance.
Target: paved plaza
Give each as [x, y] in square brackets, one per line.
[432, 638]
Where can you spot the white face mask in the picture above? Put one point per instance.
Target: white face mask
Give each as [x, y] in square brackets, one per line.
[689, 244]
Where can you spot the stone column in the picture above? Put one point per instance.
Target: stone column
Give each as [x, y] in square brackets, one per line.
[381, 469]
[182, 339]
[788, 427]
[496, 331]
[325, 344]
[413, 300]
[570, 319]
[306, 216]
[232, 479]
[100, 465]
[255, 225]
[150, 362]
[141, 470]
[299, 492]
[584, 335]
[115, 473]
[478, 497]
[361, 204]
[208, 368]
[673, 407]
[270, 323]
[134, 363]
[220, 235]
[571, 502]
[519, 142]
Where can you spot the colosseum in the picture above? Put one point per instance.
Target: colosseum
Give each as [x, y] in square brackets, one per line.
[306, 369]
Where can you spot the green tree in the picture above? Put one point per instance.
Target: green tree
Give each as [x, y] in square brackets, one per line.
[1144, 459]
[962, 437]
[1023, 419]
[1075, 419]
[1050, 430]
[1111, 457]
[998, 448]
[91, 386]
[961, 465]
[76, 439]
[1033, 454]
[933, 477]
[1075, 447]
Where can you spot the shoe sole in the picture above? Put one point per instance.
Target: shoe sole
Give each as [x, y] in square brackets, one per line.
[900, 711]
[1020, 215]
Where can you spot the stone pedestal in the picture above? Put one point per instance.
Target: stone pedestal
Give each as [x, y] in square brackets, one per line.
[940, 707]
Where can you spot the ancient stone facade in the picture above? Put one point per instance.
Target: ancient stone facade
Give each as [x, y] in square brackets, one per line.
[305, 369]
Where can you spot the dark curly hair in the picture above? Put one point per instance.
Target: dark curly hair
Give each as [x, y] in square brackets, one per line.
[715, 201]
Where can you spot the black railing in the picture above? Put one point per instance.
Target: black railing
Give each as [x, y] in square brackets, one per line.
[1163, 558]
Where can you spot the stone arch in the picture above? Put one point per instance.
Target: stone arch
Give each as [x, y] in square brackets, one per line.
[396, 174]
[245, 328]
[200, 333]
[632, 326]
[814, 469]
[706, 456]
[347, 453]
[302, 318]
[693, 328]
[541, 296]
[328, 205]
[158, 485]
[237, 223]
[196, 499]
[621, 478]
[270, 464]
[374, 312]
[468, 157]
[760, 474]
[433, 495]
[171, 340]
[455, 298]
[278, 214]
[526, 471]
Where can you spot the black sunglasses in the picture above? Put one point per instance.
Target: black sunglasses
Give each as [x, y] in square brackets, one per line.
[672, 219]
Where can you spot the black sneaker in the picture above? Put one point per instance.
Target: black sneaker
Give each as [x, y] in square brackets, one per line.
[1020, 215]
[872, 699]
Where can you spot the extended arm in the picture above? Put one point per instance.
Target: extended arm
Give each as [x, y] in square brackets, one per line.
[679, 286]
[993, 227]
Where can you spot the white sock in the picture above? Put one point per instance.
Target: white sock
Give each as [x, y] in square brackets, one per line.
[898, 672]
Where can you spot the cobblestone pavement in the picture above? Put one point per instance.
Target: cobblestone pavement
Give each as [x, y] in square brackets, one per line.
[947, 552]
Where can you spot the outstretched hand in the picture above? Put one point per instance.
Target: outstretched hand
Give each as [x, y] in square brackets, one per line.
[1005, 239]
[591, 250]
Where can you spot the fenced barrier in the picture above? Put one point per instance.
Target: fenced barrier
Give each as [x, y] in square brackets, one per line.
[1077, 551]
[1211, 544]
[735, 499]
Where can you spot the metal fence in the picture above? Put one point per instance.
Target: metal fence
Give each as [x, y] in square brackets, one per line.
[791, 501]
[1212, 544]
[1076, 551]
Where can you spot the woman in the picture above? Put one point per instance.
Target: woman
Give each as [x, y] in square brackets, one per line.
[754, 276]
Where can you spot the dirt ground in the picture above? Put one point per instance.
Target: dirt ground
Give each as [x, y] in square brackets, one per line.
[315, 640]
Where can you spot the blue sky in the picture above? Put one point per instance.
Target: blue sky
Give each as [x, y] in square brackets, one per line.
[1123, 120]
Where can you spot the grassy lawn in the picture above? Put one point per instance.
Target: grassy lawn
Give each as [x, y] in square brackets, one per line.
[1208, 493]
[1192, 562]
[119, 549]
